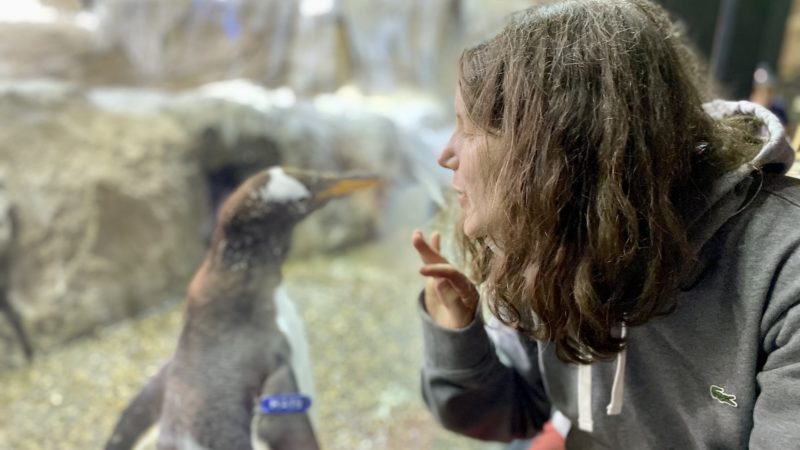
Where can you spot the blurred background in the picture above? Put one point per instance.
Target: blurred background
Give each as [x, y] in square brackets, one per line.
[123, 123]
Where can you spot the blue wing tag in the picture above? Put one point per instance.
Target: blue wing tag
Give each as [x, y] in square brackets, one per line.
[292, 403]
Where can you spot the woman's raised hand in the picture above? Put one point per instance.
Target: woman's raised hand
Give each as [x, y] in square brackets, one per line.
[450, 297]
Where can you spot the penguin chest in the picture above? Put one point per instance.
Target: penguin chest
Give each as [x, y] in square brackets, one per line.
[290, 323]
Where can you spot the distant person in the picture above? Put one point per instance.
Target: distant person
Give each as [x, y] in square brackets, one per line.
[764, 94]
[645, 243]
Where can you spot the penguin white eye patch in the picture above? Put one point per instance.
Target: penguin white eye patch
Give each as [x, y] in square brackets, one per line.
[283, 188]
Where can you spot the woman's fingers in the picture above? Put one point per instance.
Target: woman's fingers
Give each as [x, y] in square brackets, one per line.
[450, 298]
[428, 254]
[453, 309]
[443, 270]
[456, 281]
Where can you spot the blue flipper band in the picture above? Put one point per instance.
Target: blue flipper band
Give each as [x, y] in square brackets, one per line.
[292, 403]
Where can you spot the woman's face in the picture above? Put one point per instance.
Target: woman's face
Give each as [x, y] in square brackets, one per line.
[462, 155]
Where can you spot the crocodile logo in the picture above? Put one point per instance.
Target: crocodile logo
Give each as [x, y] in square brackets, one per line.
[719, 394]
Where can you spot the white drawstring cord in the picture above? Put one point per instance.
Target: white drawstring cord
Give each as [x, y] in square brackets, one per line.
[618, 388]
[585, 421]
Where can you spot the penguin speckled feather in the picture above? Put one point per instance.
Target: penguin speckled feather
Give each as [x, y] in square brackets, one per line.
[241, 336]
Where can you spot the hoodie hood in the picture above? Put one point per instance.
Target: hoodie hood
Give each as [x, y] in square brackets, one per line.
[776, 150]
[728, 196]
[733, 191]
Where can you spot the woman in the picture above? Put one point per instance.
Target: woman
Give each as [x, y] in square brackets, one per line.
[644, 241]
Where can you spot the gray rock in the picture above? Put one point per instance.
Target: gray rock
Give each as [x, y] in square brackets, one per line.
[108, 206]
[53, 48]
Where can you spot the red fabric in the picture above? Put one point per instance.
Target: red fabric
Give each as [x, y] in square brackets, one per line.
[548, 439]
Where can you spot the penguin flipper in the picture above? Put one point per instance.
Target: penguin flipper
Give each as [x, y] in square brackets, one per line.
[289, 431]
[142, 413]
[16, 324]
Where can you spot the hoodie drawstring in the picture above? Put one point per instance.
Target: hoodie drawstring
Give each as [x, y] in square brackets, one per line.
[618, 388]
[585, 421]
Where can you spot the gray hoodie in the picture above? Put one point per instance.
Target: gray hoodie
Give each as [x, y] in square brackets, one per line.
[721, 371]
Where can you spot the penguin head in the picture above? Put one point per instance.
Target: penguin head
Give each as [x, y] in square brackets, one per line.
[264, 209]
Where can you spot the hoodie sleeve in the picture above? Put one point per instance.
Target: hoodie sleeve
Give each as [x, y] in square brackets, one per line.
[470, 391]
[777, 407]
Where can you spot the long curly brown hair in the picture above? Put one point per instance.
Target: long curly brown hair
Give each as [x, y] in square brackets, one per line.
[599, 139]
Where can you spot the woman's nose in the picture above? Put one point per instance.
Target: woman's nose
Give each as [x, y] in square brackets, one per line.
[447, 158]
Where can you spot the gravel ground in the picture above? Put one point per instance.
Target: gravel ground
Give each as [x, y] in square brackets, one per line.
[364, 334]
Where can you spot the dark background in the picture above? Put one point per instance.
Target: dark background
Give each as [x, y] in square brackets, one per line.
[734, 36]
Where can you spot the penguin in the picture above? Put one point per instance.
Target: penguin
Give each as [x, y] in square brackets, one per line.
[241, 336]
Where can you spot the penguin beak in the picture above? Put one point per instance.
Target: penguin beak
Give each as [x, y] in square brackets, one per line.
[341, 187]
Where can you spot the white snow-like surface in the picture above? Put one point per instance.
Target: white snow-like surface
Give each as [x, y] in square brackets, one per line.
[27, 11]
[316, 7]
[245, 92]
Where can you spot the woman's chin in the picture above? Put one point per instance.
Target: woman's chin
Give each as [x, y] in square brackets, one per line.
[472, 230]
